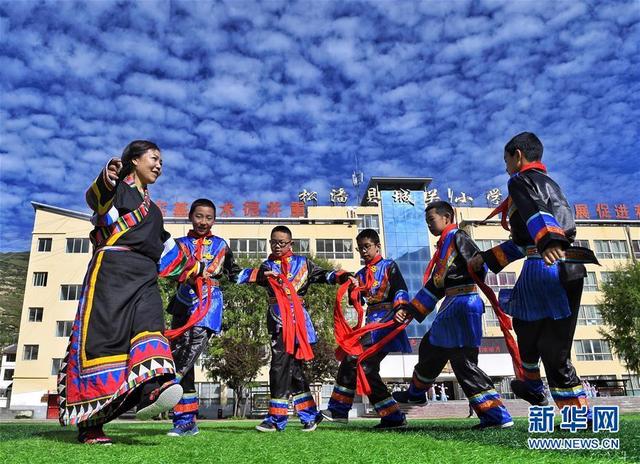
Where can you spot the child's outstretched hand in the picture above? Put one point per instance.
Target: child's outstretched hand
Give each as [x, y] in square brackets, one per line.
[270, 274]
[113, 169]
[401, 316]
[353, 281]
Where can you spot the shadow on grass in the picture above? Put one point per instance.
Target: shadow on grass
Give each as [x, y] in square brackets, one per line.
[120, 433]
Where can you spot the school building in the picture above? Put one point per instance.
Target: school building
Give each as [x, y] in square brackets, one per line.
[60, 252]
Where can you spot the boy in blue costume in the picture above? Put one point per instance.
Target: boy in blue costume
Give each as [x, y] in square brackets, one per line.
[386, 293]
[287, 278]
[217, 259]
[544, 302]
[456, 332]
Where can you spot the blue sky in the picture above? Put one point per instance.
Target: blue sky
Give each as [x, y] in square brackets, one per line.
[257, 100]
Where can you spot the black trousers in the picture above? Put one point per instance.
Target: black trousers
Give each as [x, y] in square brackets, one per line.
[551, 340]
[286, 374]
[185, 350]
[464, 362]
[347, 376]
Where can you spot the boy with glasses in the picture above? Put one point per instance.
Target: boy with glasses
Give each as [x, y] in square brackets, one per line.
[287, 278]
[385, 294]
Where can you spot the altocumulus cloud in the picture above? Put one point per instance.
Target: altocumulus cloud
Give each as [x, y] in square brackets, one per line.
[257, 100]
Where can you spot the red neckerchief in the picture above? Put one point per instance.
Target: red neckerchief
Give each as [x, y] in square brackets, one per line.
[503, 208]
[284, 263]
[369, 275]
[199, 242]
[434, 258]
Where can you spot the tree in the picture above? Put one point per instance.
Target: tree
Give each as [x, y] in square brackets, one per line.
[168, 289]
[620, 309]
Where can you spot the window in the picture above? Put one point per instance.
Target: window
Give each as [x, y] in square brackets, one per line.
[368, 221]
[35, 314]
[63, 328]
[589, 315]
[301, 246]
[590, 283]
[30, 352]
[56, 364]
[632, 383]
[635, 244]
[77, 245]
[581, 243]
[70, 292]
[44, 244]
[8, 374]
[490, 318]
[334, 248]
[10, 358]
[611, 249]
[40, 279]
[502, 280]
[208, 390]
[592, 350]
[487, 244]
[249, 247]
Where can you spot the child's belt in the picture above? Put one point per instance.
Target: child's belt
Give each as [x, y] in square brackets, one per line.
[461, 290]
[571, 255]
[379, 307]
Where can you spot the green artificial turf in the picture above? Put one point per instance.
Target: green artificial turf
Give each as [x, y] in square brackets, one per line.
[424, 441]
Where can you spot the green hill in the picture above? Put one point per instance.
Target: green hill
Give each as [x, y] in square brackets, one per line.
[13, 274]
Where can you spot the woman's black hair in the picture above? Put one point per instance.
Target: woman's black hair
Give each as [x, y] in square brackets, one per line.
[134, 150]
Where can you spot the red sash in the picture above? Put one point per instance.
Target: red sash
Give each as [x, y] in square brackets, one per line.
[503, 208]
[202, 309]
[434, 258]
[504, 321]
[348, 338]
[293, 321]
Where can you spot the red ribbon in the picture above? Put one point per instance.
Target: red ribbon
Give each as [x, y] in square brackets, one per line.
[202, 309]
[504, 321]
[503, 208]
[198, 314]
[434, 258]
[293, 322]
[348, 338]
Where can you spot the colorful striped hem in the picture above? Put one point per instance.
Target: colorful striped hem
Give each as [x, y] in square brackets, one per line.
[386, 407]
[278, 407]
[571, 392]
[303, 401]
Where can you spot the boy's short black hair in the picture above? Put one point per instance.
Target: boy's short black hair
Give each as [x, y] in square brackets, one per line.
[283, 229]
[369, 234]
[202, 202]
[442, 208]
[528, 143]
